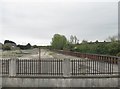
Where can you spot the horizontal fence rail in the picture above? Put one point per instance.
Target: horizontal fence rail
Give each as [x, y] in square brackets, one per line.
[105, 58]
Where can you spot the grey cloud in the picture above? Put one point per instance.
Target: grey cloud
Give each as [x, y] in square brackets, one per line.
[40, 21]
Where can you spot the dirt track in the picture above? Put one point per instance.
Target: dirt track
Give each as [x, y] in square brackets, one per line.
[44, 53]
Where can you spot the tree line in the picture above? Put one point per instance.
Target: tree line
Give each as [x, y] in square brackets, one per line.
[10, 45]
[109, 47]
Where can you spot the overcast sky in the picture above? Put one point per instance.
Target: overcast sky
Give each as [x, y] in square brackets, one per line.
[36, 21]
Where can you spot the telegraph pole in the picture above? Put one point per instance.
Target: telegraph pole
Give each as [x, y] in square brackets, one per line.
[39, 70]
[39, 53]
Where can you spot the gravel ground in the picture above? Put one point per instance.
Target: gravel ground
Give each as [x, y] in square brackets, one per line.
[34, 54]
[44, 53]
[61, 56]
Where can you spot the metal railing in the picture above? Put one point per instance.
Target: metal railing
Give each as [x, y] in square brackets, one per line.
[106, 58]
[58, 67]
[4, 66]
[91, 67]
[39, 67]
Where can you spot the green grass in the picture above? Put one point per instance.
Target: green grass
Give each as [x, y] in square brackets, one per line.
[51, 53]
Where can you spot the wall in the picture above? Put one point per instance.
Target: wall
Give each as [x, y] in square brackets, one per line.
[59, 82]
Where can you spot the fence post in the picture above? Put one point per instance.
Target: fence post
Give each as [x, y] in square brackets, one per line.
[12, 67]
[66, 68]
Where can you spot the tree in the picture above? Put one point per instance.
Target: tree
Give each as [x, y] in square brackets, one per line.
[73, 39]
[114, 48]
[6, 47]
[1, 45]
[28, 46]
[84, 41]
[112, 39]
[34, 46]
[8, 41]
[96, 41]
[58, 41]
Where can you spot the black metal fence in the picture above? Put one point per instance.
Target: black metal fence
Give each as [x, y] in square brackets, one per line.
[92, 67]
[4, 66]
[54, 67]
[39, 67]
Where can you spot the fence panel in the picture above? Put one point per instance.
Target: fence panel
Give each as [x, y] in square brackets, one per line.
[91, 67]
[39, 67]
[5, 66]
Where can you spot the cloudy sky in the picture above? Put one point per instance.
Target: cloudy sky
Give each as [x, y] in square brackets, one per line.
[36, 21]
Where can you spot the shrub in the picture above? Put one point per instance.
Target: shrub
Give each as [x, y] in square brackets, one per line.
[6, 47]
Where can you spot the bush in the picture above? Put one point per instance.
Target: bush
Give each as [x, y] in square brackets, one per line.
[118, 54]
[6, 47]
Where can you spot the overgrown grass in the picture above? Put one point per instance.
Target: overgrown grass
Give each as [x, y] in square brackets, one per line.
[15, 53]
[51, 53]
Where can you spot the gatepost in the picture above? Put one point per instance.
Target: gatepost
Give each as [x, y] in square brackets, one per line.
[12, 67]
[66, 68]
